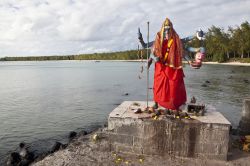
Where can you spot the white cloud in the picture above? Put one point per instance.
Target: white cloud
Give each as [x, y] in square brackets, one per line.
[52, 27]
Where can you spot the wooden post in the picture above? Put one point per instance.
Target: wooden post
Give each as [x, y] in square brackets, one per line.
[147, 63]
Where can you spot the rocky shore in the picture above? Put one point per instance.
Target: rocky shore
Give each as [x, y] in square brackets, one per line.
[95, 149]
[137, 139]
[141, 139]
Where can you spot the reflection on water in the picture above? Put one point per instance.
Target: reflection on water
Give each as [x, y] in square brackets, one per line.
[45, 100]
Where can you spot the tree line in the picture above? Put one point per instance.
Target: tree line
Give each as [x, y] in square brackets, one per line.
[121, 55]
[221, 45]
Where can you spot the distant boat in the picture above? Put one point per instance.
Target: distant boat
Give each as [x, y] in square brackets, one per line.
[97, 61]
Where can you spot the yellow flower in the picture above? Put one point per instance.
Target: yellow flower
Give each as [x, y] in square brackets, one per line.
[247, 136]
[246, 147]
[95, 137]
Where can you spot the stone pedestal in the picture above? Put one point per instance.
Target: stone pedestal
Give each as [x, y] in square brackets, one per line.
[204, 137]
[244, 126]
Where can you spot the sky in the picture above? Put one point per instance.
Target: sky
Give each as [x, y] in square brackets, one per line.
[66, 27]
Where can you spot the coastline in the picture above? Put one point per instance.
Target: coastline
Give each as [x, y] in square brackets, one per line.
[84, 150]
[144, 60]
[228, 63]
[125, 142]
[213, 63]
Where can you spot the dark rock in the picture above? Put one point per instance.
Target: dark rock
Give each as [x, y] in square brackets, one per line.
[246, 81]
[21, 145]
[23, 150]
[26, 157]
[72, 135]
[24, 162]
[14, 159]
[138, 111]
[207, 81]
[57, 146]
[42, 156]
[125, 94]
[64, 146]
[204, 85]
[230, 77]
[83, 132]
[105, 125]
[30, 156]
[234, 131]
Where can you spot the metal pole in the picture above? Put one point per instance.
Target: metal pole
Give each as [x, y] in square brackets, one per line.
[147, 63]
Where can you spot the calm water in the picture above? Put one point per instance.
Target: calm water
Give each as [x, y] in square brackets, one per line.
[41, 102]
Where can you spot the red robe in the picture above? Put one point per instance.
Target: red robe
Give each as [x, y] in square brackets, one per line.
[169, 87]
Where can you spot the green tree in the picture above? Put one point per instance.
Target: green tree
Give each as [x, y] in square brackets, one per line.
[217, 44]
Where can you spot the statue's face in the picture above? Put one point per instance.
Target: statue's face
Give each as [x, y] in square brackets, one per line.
[166, 31]
[166, 28]
[199, 56]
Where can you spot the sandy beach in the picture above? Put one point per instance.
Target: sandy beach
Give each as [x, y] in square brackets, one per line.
[213, 63]
[229, 63]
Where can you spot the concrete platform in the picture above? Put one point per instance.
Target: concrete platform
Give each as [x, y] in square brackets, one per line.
[204, 137]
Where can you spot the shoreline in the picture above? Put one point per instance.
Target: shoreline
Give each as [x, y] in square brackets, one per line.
[144, 60]
[136, 60]
[228, 63]
[207, 63]
[90, 151]
[125, 142]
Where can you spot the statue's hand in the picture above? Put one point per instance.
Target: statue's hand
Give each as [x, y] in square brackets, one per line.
[200, 34]
[139, 34]
[195, 65]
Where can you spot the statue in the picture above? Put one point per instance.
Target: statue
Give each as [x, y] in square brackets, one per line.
[167, 51]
